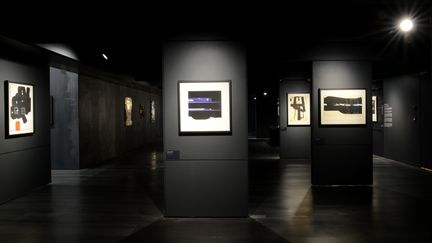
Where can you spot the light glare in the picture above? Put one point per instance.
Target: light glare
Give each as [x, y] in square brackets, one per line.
[406, 25]
[104, 56]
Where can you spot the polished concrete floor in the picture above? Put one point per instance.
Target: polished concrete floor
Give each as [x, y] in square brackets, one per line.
[122, 202]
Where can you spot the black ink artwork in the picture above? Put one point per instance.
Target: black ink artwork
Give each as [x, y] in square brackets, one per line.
[343, 105]
[298, 104]
[204, 104]
[21, 104]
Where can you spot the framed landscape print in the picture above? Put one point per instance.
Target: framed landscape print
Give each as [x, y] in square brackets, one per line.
[19, 109]
[342, 106]
[128, 111]
[298, 109]
[374, 109]
[204, 107]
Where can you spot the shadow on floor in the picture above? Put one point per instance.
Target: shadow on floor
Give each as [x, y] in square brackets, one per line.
[203, 230]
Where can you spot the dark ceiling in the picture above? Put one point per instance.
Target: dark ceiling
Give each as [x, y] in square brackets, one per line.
[276, 33]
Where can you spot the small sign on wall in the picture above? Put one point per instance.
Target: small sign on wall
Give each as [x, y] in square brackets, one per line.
[19, 109]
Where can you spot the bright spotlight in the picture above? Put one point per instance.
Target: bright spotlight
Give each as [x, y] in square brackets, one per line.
[265, 93]
[406, 25]
[104, 56]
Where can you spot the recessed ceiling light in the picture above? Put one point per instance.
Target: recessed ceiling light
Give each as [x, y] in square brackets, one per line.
[406, 25]
[265, 93]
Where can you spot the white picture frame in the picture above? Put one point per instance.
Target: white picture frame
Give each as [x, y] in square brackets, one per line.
[204, 107]
[374, 109]
[298, 109]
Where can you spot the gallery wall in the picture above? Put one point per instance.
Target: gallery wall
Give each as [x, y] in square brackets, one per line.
[295, 141]
[64, 121]
[103, 134]
[341, 155]
[25, 161]
[205, 175]
[378, 126]
[402, 119]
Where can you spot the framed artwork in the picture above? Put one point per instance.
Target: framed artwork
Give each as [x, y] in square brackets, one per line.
[152, 111]
[128, 111]
[342, 106]
[374, 109]
[19, 109]
[298, 109]
[141, 111]
[204, 107]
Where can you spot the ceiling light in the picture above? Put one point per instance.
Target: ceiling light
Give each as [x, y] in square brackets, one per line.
[265, 93]
[104, 56]
[406, 25]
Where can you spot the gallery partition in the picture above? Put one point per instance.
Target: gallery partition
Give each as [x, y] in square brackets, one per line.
[341, 123]
[205, 129]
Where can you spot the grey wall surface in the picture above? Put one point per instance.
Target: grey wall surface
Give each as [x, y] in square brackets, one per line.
[295, 141]
[341, 155]
[210, 179]
[402, 140]
[103, 134]
[25, 161]
[65, 129]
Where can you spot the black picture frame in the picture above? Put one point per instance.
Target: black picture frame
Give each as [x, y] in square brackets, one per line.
[208, 132]
[7, 107]
[364, 104]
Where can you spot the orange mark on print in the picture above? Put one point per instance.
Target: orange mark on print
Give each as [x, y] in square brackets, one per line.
[17, 126]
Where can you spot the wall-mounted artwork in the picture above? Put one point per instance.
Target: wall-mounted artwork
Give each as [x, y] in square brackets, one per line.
[204, 107]
[342, 106]
[128, 111]
[141, 111]
[298, 109]
[19, 109]
[374, 109]
[152, 111]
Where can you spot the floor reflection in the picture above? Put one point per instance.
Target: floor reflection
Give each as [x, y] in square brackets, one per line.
[124, 201]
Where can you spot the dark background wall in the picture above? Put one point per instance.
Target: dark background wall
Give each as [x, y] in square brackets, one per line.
[295, 141]
[103, 134]
[266, 114]
[210, 177]
[341, 155]
[378, 127]
[402, 140]
[65, 128]
[25, 161]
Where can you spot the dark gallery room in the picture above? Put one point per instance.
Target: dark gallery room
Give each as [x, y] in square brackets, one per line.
[249, 122]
